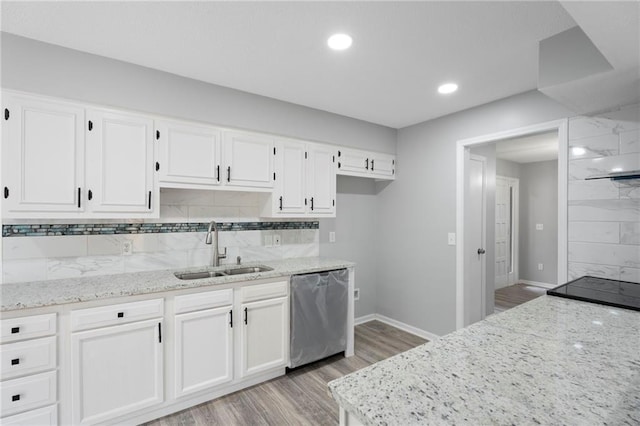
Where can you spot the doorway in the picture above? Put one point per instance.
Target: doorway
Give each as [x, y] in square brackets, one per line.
[507, 231]
[471, 294]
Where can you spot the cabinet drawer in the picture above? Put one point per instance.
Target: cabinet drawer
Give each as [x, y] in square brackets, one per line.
[199, 301]
[14, 329]
[27, 392]
[264, 291]
[32, 356]
[47, 416]
[123, 313]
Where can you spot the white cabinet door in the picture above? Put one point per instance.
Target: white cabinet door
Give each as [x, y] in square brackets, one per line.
[203, 349]
[43, 157]
[248, 160]
[120, 172]
[289, 193]
[189, 154]
[116, 370]
[353, 162]
[382, 165]
[321, 180]
[265, 335]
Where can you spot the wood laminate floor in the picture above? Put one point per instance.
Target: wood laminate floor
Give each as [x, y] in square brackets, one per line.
[300, 397]
[514, 295]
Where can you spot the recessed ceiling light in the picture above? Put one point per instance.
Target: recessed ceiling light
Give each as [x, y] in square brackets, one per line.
[340, 41]
[447, 88]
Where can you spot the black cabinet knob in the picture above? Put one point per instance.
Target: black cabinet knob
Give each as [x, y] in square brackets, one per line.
[15, 398]
[15, 361]
[15, 330]
[120, 314]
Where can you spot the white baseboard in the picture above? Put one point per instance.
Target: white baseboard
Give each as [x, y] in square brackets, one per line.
[397, 324]
[538, 284]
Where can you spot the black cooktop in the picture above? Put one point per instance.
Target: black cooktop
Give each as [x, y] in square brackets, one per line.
[621, 294]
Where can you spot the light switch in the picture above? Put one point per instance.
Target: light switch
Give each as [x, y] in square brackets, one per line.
[540, 266]
[332, 237]
[452, 238]
[539, 227]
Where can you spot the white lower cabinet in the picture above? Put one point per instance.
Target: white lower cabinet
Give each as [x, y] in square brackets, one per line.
[116, 370]
[47, 416]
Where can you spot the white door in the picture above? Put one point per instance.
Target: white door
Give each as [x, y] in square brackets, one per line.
[475, 213]
[189, 155]
[265, 335]
[353, 162]
[116, 370]
[503, 229]
[120, 161]
[321, 180]
[289, 193]
[203, 349]
[382, 165]
[43, 157]
[248, 159]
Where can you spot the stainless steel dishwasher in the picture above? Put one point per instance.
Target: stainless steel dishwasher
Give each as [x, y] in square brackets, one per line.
[318, 315]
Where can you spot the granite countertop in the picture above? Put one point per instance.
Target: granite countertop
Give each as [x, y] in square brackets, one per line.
[548, 361]
[82, 289]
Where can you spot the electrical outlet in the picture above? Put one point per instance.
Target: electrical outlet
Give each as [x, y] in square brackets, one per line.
[127, 247]
[332, 237]
[276, 240]
[540, 266]
[356, 294]
[451, 238]
[268, 240]
[539, 226]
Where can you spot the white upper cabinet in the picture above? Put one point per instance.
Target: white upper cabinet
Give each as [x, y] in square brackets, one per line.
[120, 176]
[43, 158]
[321, 180]
[189, 155]
[305, 184]
[248, 160]
[354, 162]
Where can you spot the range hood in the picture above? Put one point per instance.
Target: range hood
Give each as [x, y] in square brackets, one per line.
[631, 174]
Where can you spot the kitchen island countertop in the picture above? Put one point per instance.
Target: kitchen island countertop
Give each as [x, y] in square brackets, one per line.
[82, 289]
[548, 361]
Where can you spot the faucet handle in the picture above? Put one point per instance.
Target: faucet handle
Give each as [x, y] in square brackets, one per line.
[238, 260]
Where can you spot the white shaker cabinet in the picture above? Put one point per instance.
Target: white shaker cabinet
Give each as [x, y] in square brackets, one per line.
[321, 180]
[189, 155]
[43, 157]
[120, 158]
[382, 166]
[354, 162]
[248, 160]
[289, 195]
[203, 341]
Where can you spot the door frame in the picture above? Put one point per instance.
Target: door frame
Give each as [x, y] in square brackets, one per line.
[462, 148]
[515, 226]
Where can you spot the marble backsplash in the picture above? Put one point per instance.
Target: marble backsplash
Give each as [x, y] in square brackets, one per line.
[604, 215]
[34, 258]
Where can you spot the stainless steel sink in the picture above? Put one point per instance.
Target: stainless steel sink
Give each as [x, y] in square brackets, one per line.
[247, 270]
[226, 272]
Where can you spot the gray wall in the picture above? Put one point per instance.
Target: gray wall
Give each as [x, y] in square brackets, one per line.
[417, 210]
[43, 68]
[539, 204]
[355, 228]
[507, 168]
[489, 152]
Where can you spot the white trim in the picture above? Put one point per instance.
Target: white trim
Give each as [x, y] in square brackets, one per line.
[538, 284]
[397, 324]
[561, 126]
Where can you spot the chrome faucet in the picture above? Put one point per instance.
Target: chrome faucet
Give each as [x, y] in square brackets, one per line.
[212, 238]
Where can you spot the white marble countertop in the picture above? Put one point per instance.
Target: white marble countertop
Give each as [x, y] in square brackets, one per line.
[550, 361]
[82, 289]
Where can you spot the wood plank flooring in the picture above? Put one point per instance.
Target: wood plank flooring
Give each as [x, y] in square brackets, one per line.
[300, 397]
[514, 295]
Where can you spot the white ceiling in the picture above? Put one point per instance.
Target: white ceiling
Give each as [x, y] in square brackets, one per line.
[529, 149]
[401, 50]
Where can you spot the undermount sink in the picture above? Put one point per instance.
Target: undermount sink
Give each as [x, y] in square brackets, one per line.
[226, 272]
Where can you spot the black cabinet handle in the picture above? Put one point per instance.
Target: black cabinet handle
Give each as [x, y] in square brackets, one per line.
[6, 113]
[159, 332]
[218, 172]
[15, 361]
[231, 318]
[157, 134]
[149, 200]
[245, 315]
[157, 166]
[372, 164]
[229, 174]
[120, 314]
[6, 192]
[305, 201]
[90, 195]
[280, 203]
[79, 197]
[15, 330]
[311, 203]
[15, 398]
[90, 125]
[366, 166]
